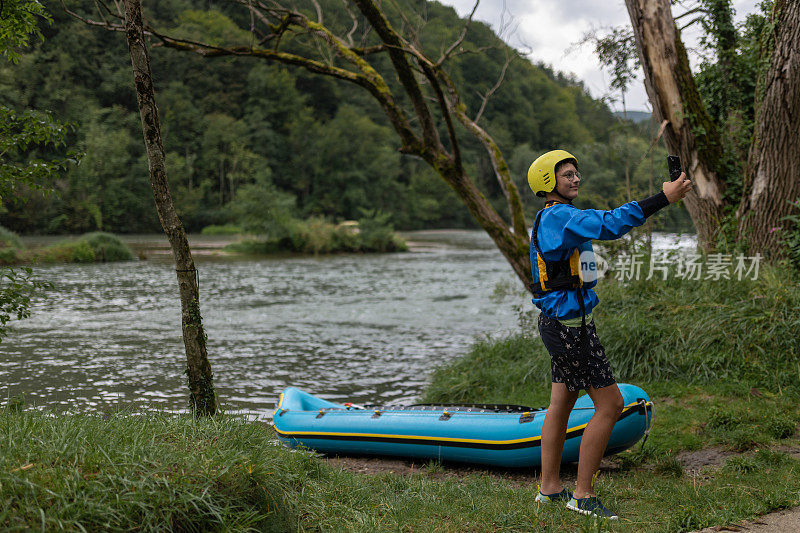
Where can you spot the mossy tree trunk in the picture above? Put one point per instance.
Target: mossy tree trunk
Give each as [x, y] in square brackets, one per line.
[198, 369]
[772, 178]
[691, 133]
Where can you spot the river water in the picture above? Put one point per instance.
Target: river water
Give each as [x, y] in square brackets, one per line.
[361, 328]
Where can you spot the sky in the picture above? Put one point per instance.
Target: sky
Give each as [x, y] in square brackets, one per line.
[550, 29]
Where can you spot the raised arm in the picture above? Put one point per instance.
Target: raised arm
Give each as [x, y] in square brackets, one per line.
[568, 227]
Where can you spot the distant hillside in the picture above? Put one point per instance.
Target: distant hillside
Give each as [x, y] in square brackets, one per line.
[302, 144]
[635, 116]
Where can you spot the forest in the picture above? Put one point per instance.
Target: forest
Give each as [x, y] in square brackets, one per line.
[252, 144]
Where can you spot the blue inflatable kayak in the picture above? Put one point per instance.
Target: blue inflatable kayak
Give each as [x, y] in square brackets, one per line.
[499, 435]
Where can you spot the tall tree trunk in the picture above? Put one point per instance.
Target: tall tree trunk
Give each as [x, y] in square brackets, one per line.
[773, 168]
[691, 134]
[201, 385]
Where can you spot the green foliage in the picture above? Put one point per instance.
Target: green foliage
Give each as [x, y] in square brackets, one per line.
[17, 287]
[89, 248]
[21, 134]
[317, 236]
[790, 236]
[741, 428]
[728, 77]
[676, 331]
[376, 234]
[21, 19]
[9, 239]
[121, 472]
[76, 252]
[261, 209]
[617, 53]
[316, 146]
[147, 471]
[226, 229]
[108, 247]
[704, 330]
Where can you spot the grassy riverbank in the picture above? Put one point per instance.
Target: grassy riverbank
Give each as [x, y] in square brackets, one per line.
[120, 472]
[719, 359]
[318, 236]
[90, 248]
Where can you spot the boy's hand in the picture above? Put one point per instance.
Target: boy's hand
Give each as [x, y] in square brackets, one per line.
[675, 190]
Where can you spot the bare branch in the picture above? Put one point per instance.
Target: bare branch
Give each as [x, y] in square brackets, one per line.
[698, 9]
[461, 37]
[353, 17]
[413, 31]
[691, 22]
[664, 124]
[252, 24]
[105, 24]
[428, 70]
[404, 72]
[370, 50]
[319, 11]
[501, 170]
[485, 98]
[475, 51]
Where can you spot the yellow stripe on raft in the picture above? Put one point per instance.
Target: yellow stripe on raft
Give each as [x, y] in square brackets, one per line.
[448, 439]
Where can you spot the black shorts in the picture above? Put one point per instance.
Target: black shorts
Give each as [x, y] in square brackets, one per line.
[569, 364]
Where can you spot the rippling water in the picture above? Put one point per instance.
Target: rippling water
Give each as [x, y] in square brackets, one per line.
[368, 328]
[364, 328]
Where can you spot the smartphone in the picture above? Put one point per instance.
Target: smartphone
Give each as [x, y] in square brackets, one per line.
[674, 166]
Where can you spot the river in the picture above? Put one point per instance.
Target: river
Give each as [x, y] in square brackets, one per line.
[361, 328]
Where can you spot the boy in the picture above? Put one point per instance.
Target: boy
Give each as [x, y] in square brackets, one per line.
[560, 244]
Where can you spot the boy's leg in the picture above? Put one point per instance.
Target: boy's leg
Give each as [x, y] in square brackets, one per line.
[553, 434]
[608, 404]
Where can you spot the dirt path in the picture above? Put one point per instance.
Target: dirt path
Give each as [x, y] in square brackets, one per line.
[785, 521]
[518, 477]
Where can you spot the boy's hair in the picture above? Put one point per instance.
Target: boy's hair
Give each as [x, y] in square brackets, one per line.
[564, 162]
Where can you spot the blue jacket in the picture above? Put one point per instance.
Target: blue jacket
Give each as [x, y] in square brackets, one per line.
[564, 227]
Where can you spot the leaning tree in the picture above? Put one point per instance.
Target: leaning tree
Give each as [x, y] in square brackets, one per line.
[202, 398]
[771, 173]
[424, 98]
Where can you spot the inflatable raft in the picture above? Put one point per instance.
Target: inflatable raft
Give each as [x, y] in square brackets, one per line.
[499, 435]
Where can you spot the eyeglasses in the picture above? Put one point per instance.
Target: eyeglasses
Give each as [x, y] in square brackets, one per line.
[571, 175]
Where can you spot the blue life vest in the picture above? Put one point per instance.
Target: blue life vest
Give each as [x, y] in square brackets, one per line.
[562, 258]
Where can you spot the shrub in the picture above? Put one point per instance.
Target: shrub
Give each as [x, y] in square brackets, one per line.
[9, 239]
[9, 256]
[318, 236]
[108, 247]
[225, 229]
[80, 252]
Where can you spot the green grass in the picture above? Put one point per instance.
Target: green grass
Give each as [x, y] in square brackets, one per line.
[89, 248]
[9, 239]
[317, 236]
[149, 472]
[155, 472]
[719, 360]
[224, 229]
[684, 332]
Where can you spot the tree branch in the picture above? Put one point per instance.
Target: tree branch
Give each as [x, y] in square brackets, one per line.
[499, 164]
[490, 92]
[355, 23]
[428, 70]
[404, 72]
[461, 37]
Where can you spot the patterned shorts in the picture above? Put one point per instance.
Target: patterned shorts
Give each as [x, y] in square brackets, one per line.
[568, 362]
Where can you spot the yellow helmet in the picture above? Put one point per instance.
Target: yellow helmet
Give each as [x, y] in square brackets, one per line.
[542, 174]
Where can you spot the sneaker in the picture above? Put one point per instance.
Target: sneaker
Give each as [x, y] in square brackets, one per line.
[590, 506]
[563, 496]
